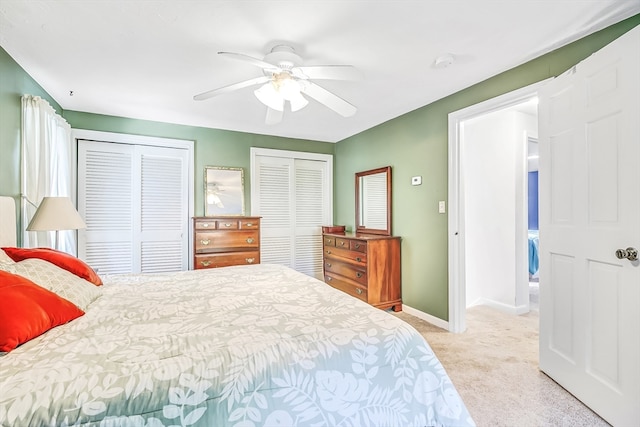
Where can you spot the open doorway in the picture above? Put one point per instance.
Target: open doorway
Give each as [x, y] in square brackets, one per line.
[488, 204]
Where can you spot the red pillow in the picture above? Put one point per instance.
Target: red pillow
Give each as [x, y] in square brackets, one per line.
[61, 259]
[27, 310]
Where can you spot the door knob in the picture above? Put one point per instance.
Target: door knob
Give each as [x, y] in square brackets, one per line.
[630, 253]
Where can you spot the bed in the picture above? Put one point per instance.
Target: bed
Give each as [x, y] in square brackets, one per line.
[259, 345]
[534, 240]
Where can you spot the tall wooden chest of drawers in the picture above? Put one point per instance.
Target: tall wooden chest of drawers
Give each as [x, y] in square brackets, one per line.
[223, 241]
[364, 266]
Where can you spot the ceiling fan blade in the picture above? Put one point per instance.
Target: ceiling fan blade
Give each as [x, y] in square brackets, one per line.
[231, 88]
[273, 116]
[327, 98]
[328, 72]
[250, 59]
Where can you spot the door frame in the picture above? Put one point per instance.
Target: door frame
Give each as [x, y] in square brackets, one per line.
[456, 216]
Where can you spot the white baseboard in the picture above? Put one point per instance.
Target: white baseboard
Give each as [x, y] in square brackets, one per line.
[506, 308]
[436, 321]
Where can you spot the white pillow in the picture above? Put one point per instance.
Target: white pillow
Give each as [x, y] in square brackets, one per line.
[59, 281]
[5, 259]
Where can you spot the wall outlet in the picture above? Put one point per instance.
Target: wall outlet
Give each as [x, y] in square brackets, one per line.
[416, 180]
[441, 207]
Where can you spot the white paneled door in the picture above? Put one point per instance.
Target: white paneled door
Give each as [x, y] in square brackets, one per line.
[292, 192]
[590, 208]
[134, 199]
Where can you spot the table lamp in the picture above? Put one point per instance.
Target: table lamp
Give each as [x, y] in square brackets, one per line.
[55, 214]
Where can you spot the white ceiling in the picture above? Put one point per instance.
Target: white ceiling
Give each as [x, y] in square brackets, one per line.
[146, 59]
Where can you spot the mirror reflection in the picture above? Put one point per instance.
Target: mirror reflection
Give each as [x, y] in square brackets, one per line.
[373, 201]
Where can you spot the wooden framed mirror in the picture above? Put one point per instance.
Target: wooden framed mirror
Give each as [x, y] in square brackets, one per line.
[373, 201]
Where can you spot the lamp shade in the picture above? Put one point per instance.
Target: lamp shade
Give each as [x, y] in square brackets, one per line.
[56, 213]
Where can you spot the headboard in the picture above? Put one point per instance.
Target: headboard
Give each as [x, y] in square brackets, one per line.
[7, 221]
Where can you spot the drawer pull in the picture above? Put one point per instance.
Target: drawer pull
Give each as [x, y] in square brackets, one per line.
[341, 243]
[328, 252]
[205, 263]
[250, 240]
[329, 264]
[227, 224]
[250, 260]
[358, 291]
[205, 242]
[358, 275]
[329, 279]
[249, 224]
[357, 245]
[205, 225]
[358, 259]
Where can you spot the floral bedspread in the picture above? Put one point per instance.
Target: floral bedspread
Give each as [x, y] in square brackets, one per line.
[243, 346]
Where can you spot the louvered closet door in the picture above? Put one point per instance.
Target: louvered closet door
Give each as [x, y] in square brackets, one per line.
[105, 201]
[163, 210]
[310, 214]
[135, 203]
[293, 198]
[274, 195]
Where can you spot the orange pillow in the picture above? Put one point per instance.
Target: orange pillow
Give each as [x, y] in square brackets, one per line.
[61, 259]
[27, 310]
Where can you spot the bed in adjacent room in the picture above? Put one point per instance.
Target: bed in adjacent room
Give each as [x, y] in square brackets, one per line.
[258, 345]
[534, 242]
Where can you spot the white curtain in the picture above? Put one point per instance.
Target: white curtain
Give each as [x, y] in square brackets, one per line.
[47, 157]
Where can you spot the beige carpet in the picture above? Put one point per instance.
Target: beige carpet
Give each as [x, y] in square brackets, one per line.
[494, 366]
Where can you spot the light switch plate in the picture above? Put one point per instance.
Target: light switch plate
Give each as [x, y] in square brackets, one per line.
[416, 180]
[441, 207]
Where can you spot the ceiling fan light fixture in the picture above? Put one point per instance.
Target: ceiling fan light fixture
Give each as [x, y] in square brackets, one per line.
[298, 102]
[269, 96]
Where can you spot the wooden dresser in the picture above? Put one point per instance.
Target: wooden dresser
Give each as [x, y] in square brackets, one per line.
[365, 266]
[221, 241]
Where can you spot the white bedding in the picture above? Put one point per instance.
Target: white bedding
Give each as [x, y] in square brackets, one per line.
[242, 346]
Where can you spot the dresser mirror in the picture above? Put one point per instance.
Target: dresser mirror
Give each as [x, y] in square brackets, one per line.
[373, 201]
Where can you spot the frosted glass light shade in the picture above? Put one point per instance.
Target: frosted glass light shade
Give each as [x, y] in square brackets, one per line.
[269, 96]
[56, 213]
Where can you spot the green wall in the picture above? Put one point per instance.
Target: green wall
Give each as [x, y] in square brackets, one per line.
[417, 144]
[213, 147]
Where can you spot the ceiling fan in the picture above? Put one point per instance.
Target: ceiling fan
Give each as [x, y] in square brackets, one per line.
[287, 81]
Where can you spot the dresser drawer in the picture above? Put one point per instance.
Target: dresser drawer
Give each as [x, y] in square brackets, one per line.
[351, 288]
[346, 254]
[329, 241]
[346, 270]
[358, 245]
[227, 224]
[342, 243]
[216, 239]
[202, 224]
[226, 259]
[248, 224]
